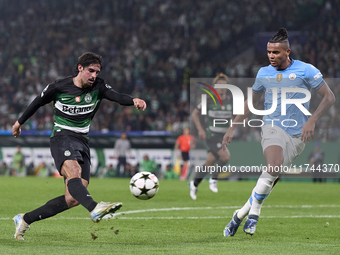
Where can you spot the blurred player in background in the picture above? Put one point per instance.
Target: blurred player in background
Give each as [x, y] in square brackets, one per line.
[149, 165]
[76, 99]
[18, 164]
[122, 149]
[184, 143]
[212, 135]
[4, 169]
[316, 158]
[281, 143]
[170, 174]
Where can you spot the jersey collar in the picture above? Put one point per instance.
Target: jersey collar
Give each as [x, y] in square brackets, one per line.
[291, 63]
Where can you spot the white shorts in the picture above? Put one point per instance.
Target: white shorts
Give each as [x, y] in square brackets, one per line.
[291, 146]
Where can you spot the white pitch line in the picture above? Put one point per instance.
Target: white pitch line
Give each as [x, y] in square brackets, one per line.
[219, 208]
[203, 208]
[226, 217]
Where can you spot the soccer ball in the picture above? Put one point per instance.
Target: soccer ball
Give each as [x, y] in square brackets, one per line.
[144, 185]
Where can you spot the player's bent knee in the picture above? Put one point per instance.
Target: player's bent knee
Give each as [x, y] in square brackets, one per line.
[224, 155]
[71, 169]
[275, 163]
[225, 158]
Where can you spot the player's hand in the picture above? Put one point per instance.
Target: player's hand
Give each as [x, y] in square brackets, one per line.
[227, 138]
[308, 131]
[201, 134]
[16, 129]
[139, 104]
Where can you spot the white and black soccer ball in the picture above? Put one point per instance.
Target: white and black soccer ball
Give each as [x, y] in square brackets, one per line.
[144, 185]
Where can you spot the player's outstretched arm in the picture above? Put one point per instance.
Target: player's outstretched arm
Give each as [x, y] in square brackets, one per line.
[16, 129]
[39, 101]
[327, 101]
[45, 97]
[239, 118]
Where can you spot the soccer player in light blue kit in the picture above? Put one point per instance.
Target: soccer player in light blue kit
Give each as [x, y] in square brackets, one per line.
[283, 136]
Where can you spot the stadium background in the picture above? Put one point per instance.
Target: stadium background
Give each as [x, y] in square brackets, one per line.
[151, 49]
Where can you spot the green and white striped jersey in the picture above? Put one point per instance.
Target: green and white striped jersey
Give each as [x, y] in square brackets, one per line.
[216, 111]
[74, 107]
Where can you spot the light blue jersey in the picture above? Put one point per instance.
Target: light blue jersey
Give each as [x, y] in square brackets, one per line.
[297, 75]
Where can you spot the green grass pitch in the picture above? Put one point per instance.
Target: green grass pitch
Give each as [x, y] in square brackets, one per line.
[297, 218]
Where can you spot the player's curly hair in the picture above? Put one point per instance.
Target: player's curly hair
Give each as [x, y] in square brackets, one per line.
[281, 37]
[221, 76]
[89, 58]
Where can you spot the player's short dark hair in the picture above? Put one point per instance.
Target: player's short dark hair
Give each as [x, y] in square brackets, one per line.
[89, 58]
[281, 37]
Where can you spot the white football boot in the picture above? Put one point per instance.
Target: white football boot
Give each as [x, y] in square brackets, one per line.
[103, 209]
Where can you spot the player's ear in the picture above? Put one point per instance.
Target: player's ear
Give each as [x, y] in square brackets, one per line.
[80, 67]
[288, 52]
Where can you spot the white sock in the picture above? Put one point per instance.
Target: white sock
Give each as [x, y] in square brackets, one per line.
[243, 212]
[261, 191]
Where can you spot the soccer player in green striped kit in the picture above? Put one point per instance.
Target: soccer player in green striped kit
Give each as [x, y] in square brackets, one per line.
[75, 99]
